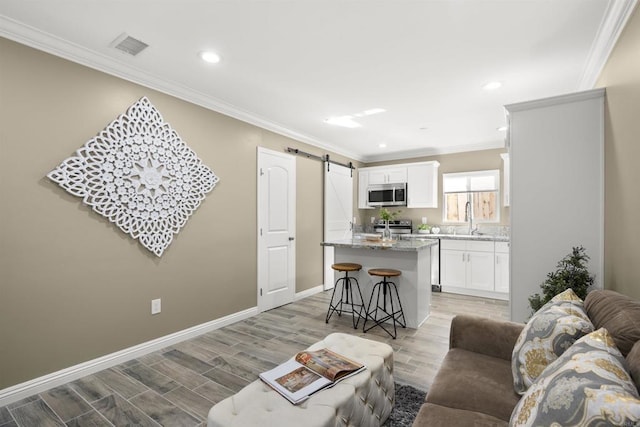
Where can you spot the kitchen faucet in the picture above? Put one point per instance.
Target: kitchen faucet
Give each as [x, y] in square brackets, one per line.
[469, 217]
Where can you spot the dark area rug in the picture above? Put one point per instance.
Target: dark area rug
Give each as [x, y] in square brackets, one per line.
[408, 402]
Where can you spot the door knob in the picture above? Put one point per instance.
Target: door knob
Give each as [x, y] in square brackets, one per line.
[291, 238]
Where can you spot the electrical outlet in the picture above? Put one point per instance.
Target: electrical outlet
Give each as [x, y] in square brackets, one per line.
[156, 306]
[373, 219]
[424, 219]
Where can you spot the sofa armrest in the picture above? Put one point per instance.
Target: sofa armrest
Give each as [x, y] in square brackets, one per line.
[486, 336]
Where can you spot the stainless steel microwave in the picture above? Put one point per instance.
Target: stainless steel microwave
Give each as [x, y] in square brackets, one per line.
[387, 195]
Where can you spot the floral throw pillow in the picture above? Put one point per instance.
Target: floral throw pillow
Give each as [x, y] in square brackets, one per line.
[587, 386]
[551, 330]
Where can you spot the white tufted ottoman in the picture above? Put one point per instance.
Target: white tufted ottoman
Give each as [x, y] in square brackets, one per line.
[365, 399]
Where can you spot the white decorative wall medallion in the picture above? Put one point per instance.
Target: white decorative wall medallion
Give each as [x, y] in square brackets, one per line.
[140, 175]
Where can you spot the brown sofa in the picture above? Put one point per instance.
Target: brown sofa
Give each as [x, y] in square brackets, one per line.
[474, 386]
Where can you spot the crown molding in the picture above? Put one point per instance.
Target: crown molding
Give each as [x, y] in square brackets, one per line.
[616, 16]
[611, 26]
[37, 39]
[556, 100]
[428, 152]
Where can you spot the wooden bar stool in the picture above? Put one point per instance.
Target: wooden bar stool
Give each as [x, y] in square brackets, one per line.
[379, 314]
[346, 294]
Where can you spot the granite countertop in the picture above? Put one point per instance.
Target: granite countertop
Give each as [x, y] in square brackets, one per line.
[480, 237]
[410, 245]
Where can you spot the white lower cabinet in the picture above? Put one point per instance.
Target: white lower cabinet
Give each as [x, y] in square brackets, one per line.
[453, 268]
[480, 270]
[502, 267]
[468, 267]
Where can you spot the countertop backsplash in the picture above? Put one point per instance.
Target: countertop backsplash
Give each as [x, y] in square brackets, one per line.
[493, 230]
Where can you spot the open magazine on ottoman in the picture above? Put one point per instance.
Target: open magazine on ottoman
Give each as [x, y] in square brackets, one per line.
[309, 372]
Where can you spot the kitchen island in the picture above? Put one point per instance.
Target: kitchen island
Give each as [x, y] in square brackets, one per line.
[411, 257]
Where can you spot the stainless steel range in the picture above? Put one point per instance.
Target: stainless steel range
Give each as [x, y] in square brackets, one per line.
[397, 226]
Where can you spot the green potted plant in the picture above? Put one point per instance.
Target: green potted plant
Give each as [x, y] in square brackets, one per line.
[387, 215]
[572, 273]
[424, 229]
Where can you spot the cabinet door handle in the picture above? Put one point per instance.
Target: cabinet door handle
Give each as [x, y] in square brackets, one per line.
[462, 256]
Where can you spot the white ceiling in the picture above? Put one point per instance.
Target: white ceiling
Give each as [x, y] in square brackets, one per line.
[287, 65]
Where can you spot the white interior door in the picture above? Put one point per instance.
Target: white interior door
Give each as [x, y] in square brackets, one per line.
[276, 228]
[338, 212]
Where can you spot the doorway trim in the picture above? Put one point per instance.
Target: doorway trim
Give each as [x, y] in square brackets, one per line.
[277, 242]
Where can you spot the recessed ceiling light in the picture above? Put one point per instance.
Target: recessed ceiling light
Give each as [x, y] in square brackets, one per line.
[348, 122]
[344, 121]
[210, 57]
[373, 111]
[502, 128]
[382, 145]
[492, 85]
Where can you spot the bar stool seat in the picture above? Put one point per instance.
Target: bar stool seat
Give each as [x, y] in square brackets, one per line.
[384, 272]
[346, 294]
[385, 310]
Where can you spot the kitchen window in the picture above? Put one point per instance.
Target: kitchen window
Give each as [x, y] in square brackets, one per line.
[479, 190]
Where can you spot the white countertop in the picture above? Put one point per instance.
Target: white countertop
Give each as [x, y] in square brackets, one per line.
[408, 245]
[482, 237]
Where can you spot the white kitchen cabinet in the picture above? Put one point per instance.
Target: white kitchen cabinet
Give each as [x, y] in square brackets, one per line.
[467, 267]
[363, 183]
[384, 175]
[453, 267]
[506, 174]
[502, 267]
[421, 179]
[422, 185]
[480, 270]
[377, 175]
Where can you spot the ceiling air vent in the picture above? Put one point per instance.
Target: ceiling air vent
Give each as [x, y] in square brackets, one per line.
[128, 44]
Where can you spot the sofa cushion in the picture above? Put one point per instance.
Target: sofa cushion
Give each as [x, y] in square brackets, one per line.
[474, 382]
[587, 385]
[491, 337]
[432, 415]
[618, 313]
[551, 330]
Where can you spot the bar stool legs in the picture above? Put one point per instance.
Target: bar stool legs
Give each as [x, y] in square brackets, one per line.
[386, 309]
[346, 296]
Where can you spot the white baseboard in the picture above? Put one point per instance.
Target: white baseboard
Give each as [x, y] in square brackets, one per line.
[63, 376]
[308, 293]
[475, 292]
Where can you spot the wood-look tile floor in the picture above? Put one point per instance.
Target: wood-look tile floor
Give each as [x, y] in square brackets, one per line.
[177, 386]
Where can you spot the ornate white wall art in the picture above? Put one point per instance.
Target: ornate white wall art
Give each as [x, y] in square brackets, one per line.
[140, 175]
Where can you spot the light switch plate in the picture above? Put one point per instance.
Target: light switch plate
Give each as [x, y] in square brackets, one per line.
[156, 306]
